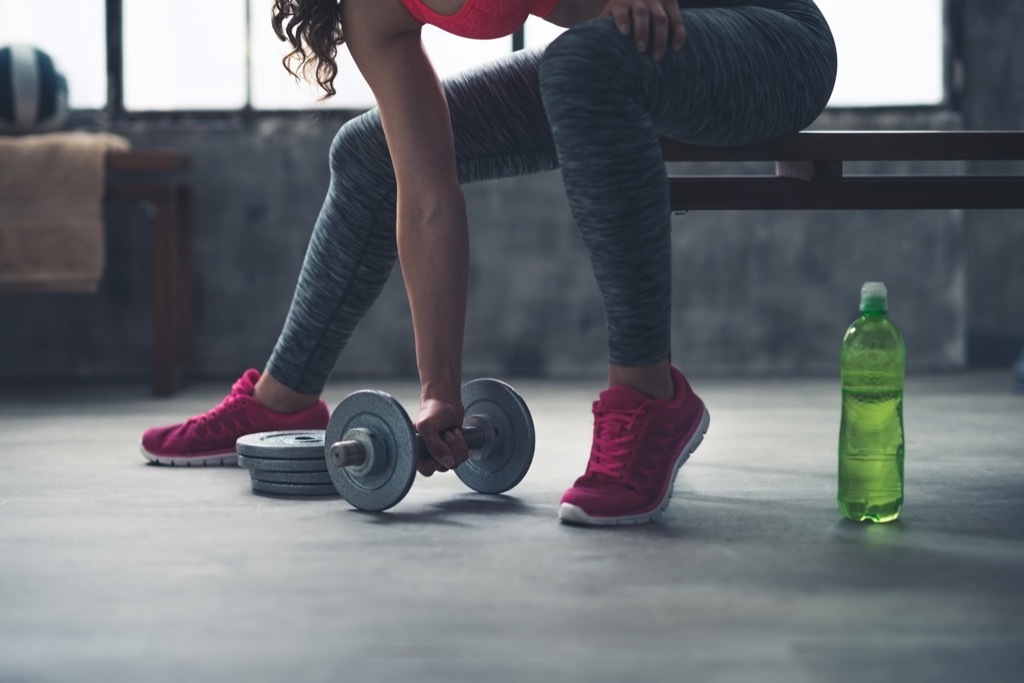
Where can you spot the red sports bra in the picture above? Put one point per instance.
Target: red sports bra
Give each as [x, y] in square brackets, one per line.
[482, 19]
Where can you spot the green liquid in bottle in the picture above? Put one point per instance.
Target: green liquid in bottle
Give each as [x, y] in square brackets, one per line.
[871, 440]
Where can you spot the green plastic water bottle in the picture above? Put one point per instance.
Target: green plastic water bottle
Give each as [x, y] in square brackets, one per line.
[872, 363]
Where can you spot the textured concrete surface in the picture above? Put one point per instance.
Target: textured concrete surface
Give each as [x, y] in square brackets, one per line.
[112, 570]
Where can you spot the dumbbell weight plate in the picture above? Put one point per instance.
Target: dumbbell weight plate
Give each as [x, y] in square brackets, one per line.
[271, 477]
[390, 475]
[509, 459]
[284, 445]
[285, 465]
[279, 489]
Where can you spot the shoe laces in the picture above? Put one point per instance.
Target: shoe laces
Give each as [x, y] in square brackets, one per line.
[237, 392]
[615, 441]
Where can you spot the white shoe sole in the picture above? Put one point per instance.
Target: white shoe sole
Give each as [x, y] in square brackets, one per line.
[211, 460]
[574, 514]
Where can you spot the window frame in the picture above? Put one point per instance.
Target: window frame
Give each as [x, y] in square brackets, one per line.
[115, 112]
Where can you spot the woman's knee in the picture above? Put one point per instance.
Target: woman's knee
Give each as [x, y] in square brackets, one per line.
[360, 147]
[592, 57]
[361, 197]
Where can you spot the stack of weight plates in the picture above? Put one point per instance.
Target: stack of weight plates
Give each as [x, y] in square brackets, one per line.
[286, 463]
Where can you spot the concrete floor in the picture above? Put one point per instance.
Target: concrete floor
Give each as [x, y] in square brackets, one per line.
[112, 570]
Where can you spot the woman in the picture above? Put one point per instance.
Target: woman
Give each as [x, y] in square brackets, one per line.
[711, 72]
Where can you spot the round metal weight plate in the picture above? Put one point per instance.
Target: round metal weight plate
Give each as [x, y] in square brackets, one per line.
[290, 465]
[302, 444]
[510, 457]
[279, 489]
[291, 477]
[386, 478]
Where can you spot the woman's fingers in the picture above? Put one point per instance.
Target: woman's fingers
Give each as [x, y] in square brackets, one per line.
[654, 24]
[426, 465]
[660, 29]
[641, 26]
[457, 447]
[676, 26]
[446, 451]
[620, 14]
[438, 447]
[438, 425]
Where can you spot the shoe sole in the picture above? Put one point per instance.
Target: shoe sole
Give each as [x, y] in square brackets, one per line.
[224, 459]
[573, 514]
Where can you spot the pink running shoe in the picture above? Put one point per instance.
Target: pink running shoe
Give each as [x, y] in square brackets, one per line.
[639, 446]
[209, 438]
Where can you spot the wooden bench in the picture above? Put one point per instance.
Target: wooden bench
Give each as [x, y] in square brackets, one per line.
[155, 178]
[810, 174]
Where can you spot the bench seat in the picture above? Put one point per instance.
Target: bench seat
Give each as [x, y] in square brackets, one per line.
[809, 172]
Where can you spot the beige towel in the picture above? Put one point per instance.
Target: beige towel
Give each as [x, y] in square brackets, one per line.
[51, 211]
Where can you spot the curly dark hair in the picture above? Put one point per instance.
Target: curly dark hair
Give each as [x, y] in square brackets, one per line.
[313, 28]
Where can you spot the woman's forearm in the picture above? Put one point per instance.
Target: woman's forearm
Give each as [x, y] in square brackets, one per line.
[433, 248]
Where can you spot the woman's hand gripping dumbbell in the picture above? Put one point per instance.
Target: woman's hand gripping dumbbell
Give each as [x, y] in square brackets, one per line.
[439, 424]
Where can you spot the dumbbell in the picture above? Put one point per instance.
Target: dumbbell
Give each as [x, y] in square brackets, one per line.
[371, 446]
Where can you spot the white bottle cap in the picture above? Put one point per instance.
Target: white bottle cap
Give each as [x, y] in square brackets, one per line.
[874, 297]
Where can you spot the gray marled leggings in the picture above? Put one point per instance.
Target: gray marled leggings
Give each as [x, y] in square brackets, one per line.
[591, 104]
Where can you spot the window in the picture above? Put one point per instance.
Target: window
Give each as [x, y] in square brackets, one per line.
[890, 53]
[184, 54]
[538, 32]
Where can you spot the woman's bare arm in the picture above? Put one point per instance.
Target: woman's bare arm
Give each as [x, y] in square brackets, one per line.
[433, 241]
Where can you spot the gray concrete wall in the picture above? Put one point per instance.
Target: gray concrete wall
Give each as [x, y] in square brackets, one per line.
[993, 98]
[755, 293]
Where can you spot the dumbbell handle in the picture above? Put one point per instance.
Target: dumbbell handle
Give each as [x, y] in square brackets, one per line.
[353, 454]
